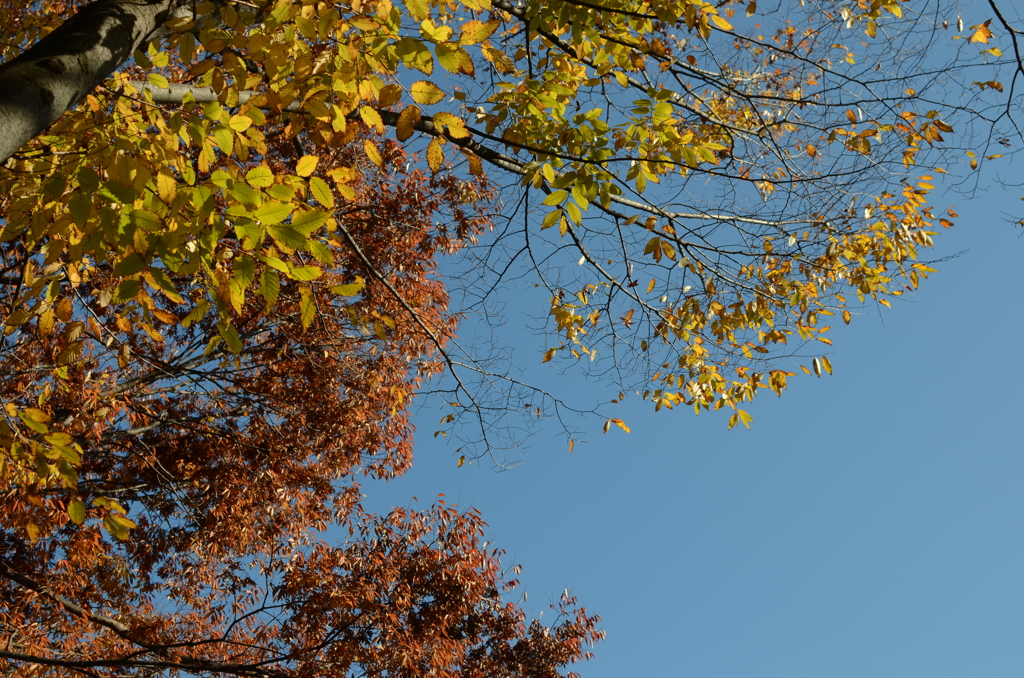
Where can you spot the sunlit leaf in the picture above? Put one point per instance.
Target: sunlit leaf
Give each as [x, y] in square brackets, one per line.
[425, 92]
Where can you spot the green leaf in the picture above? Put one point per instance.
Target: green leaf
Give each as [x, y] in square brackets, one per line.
[70, 353]
[130, 265]
[225, 139]
[157, 80]
[273, 212]
[274, 262]
[556, 198]
[321, 192]
[146, 220]
[245, 270]
[351, 289]
[196, 314]
[288, 237]
[76, 511]
[304, 273]
[35, 419]
[574, 212]
[270, 286]
[80, 206]
[321, 252]
[117, 525]
[282, 192]
[231, 338]
[260, 177]
[164, 282]
[128, 289]
[59, 438]
[550, 219]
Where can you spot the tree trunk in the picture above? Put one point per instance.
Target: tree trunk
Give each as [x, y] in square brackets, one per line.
[39, 86]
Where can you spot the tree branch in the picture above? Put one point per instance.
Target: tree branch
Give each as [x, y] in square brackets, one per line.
[40, 85]
[174, 95]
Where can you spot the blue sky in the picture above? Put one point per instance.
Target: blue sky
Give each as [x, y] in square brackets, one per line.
[869, 524]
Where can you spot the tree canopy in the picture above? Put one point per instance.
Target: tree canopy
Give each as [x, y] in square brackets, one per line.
[222, 226]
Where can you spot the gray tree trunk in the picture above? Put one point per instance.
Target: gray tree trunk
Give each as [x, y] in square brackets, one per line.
[39, 86]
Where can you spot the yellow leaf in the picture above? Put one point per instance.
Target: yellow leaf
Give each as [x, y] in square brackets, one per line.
[418, 9]
[389, 95]
[372, 118]
[166, 187]
[426, 93]
[549, 354]
[981, 33]
[307, 306]
[462, 460]
[435, 155]
[721, 23]
[307, 164]
[407, 121]
[434, 33]
[373, 153]
[621, 424]
[473, 32]
[455, 126]
[157, 80]
[240, 123]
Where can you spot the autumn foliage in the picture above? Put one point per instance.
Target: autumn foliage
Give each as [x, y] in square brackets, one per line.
[167, 495]
[219, 286]
[176, 447]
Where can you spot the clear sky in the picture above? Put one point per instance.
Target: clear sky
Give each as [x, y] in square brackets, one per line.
[869, 524]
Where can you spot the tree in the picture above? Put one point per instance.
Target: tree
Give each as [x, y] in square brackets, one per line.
[221, 224]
